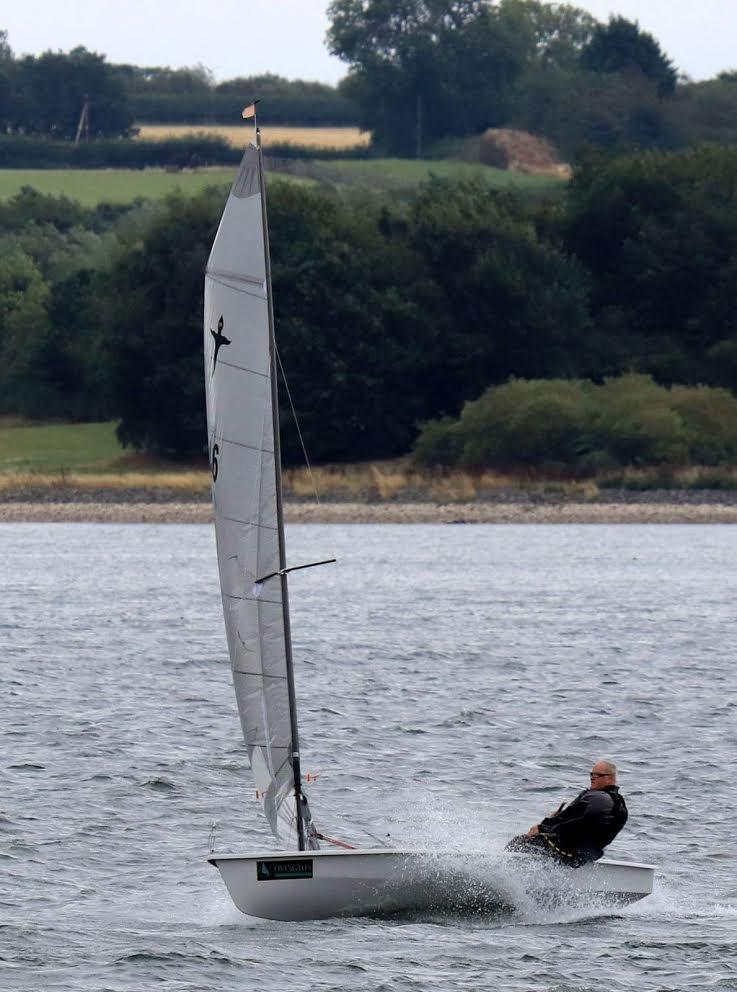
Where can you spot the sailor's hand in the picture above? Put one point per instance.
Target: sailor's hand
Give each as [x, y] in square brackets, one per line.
[533, 831]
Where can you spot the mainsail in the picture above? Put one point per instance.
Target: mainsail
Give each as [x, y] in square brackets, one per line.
[240, 376]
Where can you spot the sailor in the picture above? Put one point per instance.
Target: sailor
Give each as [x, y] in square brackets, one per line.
[576, 834]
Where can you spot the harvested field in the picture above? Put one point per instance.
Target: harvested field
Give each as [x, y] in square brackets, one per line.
[239, 134]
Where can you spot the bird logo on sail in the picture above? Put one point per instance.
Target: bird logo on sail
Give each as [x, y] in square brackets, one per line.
[219, 340]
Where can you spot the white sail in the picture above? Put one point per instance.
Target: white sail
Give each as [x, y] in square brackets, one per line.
[238, 373]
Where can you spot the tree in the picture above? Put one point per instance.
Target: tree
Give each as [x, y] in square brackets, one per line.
[24, 323]
[6, 87]
[574, 108]
[421, 69]
[192, 96]
[6, 52]
[658, 232]
[74, 367]
[154, 317]
[355, 342]
[707, 111]
[55, 362]
[622, 46]
[385, 316]
[268, 85]
[557, 32]
[508, 301]
[350, 339]
[51, 90]
[157, 79]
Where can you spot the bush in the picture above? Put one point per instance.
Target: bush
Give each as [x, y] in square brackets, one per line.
[710, 421]
[586, 428]
[635, 422]
[525, 423]
[439, 443]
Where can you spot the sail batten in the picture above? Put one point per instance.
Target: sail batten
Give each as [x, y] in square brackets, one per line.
[237, 277]
[235, 287]
[243, 445]
[253, 599]
[248, 523]
[241, 368]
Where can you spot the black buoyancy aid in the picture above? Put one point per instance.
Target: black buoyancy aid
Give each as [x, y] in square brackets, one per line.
[617, 817]
[591, 822]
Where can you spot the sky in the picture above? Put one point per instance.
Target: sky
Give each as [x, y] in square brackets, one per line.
[287, 37]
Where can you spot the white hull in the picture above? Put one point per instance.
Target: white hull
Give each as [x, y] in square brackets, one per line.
[310, 885]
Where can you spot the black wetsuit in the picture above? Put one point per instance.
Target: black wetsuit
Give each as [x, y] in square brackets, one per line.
[578, 833]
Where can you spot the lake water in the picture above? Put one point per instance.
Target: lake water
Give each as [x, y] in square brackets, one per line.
[454, 684]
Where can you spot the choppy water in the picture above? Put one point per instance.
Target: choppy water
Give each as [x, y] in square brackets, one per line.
[454, 684]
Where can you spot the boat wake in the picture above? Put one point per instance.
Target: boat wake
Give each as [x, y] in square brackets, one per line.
[474, 876]
[499, 886]
[670, 903]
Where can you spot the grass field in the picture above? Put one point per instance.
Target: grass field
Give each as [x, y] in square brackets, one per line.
[56, 447]
[238, 135]
[398, 174]
[93, 186]
[45, 457]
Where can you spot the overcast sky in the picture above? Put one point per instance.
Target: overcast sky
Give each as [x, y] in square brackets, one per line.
[242, 37]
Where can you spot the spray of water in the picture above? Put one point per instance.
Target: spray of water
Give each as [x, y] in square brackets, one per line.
[475, 875]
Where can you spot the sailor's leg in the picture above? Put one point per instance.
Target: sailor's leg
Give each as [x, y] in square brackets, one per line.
[524, 844]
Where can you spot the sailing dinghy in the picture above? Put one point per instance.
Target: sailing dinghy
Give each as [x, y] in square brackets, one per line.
[300, 881]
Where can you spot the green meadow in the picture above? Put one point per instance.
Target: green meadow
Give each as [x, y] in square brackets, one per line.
[37, 459]
[92, 186]
[394, 173]
[53, 448]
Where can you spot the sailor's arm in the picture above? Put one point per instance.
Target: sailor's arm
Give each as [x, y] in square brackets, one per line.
[534, 831]
[565, 819]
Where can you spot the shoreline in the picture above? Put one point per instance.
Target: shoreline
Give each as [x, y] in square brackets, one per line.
[637, 510]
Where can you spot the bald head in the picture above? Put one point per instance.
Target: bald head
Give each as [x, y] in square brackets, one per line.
[603, 774]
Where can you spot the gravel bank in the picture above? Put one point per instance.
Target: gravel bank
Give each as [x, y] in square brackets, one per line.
[698, 508]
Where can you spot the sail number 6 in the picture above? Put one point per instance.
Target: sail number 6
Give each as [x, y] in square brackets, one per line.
[215, 453]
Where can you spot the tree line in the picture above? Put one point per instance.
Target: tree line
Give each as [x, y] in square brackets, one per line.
[188, 96]
[389, 314]
[421, 76]
[47, 94]
[63, 95]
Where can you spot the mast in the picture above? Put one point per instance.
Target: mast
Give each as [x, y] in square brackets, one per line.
[280, 513]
